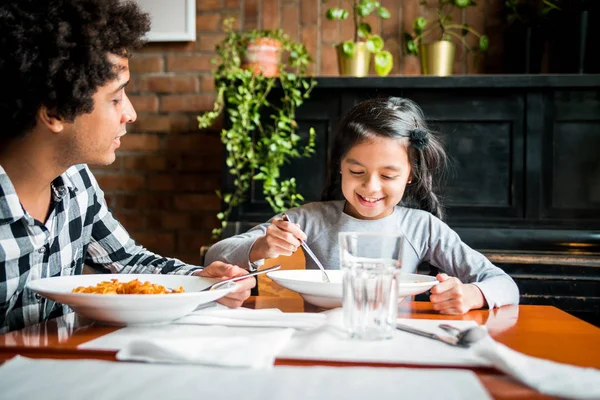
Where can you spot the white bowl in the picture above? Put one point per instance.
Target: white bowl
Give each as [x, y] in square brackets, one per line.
[131, 309]
[309, 284]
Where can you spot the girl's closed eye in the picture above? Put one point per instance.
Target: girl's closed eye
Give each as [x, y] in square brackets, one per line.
[389, 177]
[356, 172]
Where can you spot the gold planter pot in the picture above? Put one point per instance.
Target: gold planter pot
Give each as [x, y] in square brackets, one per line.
[358, 64]
[437, 58]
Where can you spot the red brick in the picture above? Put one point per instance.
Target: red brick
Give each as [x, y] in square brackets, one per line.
[208, 22]
[208, 42]
[329, 66]
[309, 11]
[209, 5]
[194, 240]
[168, 47]
[156, 242]
[309, 38]
[270, 14]
[162, 182]
[187, 102]
[132, 221]
[208, 83]
[347, 26]
[232, 4]
[197, 183]
[139, 141]
[193, 202]
[204, 163]
[195, 62]
[147, 162]
[168, 84]
[199, 144]
[121, 182]
[151, 123]
[290, 20]
[152, 201]
[389, 27]
[330, 30]
[169, 221]
[250, 14]
[144, 103]
[141, 63]
[181, 123]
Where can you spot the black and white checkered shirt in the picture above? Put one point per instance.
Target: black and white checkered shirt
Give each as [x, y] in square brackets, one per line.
[80, 230]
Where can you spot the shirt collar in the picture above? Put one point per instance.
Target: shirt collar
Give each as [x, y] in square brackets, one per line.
[11, 209]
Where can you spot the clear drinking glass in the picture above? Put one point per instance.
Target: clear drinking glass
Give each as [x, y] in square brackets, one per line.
[369, 262]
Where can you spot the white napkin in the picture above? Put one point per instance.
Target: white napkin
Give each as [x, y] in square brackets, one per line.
[549, 377]
[255, 351]
[273, 317]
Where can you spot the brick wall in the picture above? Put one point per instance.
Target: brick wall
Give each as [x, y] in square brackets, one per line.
[161, 187]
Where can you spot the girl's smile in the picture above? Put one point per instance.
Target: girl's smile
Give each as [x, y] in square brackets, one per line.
[374, 176]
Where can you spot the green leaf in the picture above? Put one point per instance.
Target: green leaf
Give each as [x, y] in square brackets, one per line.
[484, 42]
[411, 48]
[364, 30]
[419, 24]
[336, 14]
[383, 62]
[348, 48]
[374, 43]
[383, 12]
[462, 3]
[220, 215]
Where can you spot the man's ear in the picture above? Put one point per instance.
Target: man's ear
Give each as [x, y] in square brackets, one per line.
[51, 121]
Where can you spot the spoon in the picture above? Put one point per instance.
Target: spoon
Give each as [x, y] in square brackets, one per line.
[468, 336]
[462, 339]
[216, 285]
[310, 253]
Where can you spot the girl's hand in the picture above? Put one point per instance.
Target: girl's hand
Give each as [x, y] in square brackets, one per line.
[281, 239]
[221, 270]
[453, 297]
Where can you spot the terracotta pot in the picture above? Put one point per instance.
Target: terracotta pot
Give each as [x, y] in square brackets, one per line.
[263, 56]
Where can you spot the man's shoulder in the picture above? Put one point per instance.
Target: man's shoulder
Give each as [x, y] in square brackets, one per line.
[80, 177]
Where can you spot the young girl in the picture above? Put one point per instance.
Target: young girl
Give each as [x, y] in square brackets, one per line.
[383, 162]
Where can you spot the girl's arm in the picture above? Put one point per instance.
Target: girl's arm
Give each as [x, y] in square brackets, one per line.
[451, 255]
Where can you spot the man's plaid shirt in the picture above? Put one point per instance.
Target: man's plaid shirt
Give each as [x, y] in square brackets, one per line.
[80, 230]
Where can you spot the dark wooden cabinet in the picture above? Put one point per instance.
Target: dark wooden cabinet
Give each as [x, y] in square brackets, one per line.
[524, 174]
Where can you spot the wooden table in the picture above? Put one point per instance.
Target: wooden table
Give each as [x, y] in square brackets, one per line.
[540, 331]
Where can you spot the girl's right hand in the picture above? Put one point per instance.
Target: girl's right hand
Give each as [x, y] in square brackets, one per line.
[281, 239]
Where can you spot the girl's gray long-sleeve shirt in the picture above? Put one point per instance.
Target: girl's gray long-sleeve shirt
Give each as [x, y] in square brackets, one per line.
[427, 238]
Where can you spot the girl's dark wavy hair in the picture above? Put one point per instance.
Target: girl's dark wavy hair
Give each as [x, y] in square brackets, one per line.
[394, 118]
[54, 54]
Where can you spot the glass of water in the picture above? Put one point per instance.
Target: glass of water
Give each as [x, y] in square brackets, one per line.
[369, 262]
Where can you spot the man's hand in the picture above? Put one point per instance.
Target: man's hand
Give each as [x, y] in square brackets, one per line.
[453, 297]
[221, 270]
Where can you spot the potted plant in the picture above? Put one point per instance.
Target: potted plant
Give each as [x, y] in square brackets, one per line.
[260, 133]
[526, 34]
[437, 57]
[354, 55]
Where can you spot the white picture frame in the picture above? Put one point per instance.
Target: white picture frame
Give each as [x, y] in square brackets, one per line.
[172, 20]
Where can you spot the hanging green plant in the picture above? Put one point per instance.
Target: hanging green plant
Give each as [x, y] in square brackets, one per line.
[260, 133]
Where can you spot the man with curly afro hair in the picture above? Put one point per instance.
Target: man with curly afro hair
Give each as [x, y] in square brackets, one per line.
[63, 72]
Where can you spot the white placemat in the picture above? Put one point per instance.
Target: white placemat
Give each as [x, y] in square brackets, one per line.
[22, 378]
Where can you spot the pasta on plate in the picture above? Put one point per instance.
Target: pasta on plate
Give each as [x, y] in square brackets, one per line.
[132, 287]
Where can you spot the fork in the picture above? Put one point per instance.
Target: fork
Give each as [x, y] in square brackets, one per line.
[237, 278]
[310, 253]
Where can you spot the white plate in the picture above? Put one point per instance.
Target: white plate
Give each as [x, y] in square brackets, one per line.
[309, 284]
[131, 309]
